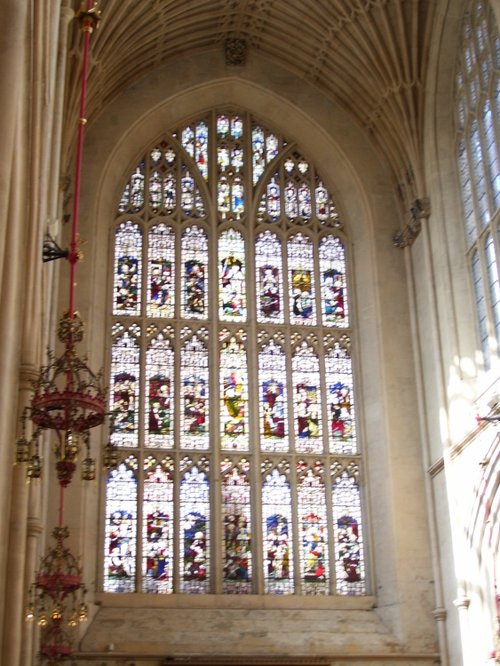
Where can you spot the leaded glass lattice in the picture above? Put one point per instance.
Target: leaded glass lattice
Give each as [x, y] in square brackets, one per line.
[230, 372]
[477, 113]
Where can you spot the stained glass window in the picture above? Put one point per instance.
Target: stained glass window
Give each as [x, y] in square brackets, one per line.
[231, 384]
[157, 530]
[477, 105]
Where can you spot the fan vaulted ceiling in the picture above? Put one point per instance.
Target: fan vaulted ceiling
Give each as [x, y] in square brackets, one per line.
[368, 55]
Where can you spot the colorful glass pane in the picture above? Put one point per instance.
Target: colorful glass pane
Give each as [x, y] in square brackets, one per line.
[194, 508]
[291, 201]
[273, 202]
[342, 423]
[157, 530]
[333, 282]
[349, 548]
[194, 388]
[277, 534]
[195, 141]
[305, 202]
[232, 287]
[234, 394]
[258, 153]
[236, 516]
[269, 278]
[159, 393]
[301, 280]
[161, 275]
[194, 259]
[124, 391]
[127, 269]
[273, 404]
[307, 404]
[311, 504]
[121, 528]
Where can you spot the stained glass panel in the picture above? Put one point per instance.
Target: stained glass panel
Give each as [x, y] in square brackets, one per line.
[277, 535]
[159, 393]
[234, 392]
[128, 269]
[232, 286]
[307, 416]
[236, 516]
[342, 423]
[311, 503]
[157, 530]
[273, 402]
[132, 200]
[349, 555]
[333, 282]
[161, 272]
[230, 159]
[194, 394]
[124, 390]
[121, 528]
[194, 259]
[269, 278]
[194, 507]
[301, 284]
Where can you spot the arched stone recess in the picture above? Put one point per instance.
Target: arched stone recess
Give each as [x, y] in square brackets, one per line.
[358, 177]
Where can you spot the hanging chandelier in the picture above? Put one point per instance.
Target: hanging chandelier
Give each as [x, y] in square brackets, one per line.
[68, 401]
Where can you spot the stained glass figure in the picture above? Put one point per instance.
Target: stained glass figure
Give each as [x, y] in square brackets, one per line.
[133, 194]
[237, 198]
[170, 193]
[349, 555]
[258, 153]
[291, 201]
[307, 404]
[277, 533]
[236, 515]
[121, 528]
[194, 260]
[161, 276]
[232, 288]
[273, 203]
[273, 403]
[128, 268]
[157, 529]
[187, 193]
[194, 388]
[301, 280]
[195, 142]
[222, 126]
[342, 423]
[224, 196]
[326, 211]
[155, 191]
[311, 503]
[305, 202]
[124, 391]
[234, 394]
[269, 278]
[333, 282]
[159, 393]
[194, 506]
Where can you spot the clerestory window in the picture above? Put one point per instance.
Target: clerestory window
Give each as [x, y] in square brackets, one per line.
[477, 104]
[231, 379]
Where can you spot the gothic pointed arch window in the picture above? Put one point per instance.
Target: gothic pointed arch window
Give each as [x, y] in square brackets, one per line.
[477, 113]
[231, 377]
